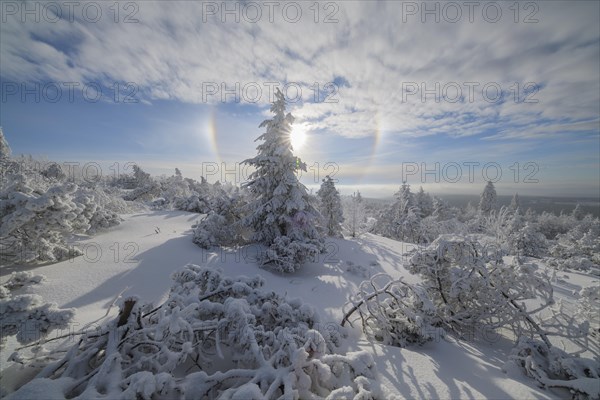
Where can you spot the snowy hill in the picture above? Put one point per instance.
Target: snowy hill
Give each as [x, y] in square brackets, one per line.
[138, 257]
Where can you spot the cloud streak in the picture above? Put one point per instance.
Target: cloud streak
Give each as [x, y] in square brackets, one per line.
[171, 52]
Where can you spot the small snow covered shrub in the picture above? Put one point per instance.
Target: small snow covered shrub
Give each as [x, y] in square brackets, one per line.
[579, 249]
[26, 315]
[213, 338]
[588, 305]
[214, 230]
[472, 288]
[222, 226]
[95, 214]
[394, 312]
[140, 186]
[110, 199]
[528, 242]
[202, 198]
[575, 263]
[147, 192]
[175, 188]
[431, 228]
[286, 254]
[551, 225]
[552, 367]
[193, 203]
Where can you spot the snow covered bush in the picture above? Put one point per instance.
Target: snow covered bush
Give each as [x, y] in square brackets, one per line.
[587, 307]
[472, 288]
[551, 225]
[38, 214]
[193, 203]
[330, 207]
[402, 219]
[394, 312]
[110, 199]
[147, 192]
[54, 172]
[579, 248]
[431, 228]
[281, 213]
[552, 367]
[96, 214]
[34, 222]
[26, 316]
[528, 242]
[575, 263]
[500, 223]
[222, 226]
[213, 338]
[202, 198]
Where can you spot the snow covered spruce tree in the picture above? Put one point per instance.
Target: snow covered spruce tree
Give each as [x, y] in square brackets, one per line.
[5, 162]
[330, 206]
[402, 219]
[441, 211]
[355, 217]
[281, 212]
[424, 202]
[515, 203]
[578, 213]
[4, 147]
[488, 198]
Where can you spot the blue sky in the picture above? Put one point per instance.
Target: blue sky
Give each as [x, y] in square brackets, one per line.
[371, 122]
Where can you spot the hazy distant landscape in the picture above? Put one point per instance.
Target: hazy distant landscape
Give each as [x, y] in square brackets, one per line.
[538, 204]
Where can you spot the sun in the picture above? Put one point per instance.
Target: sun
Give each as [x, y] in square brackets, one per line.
[298, 137]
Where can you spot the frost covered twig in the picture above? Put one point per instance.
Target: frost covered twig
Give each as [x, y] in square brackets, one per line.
[394, 312]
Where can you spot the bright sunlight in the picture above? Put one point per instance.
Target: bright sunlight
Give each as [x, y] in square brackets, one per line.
[298, 136]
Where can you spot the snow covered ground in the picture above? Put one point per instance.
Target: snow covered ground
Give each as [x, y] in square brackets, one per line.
[138, 257]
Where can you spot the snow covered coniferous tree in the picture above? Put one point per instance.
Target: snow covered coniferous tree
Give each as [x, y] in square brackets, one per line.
[355, 217]
[424, 202]
[515, 203]
[578, 213]
[331, 207]
[487, 201]
[281, 212]
[440, 209]
[4, 147]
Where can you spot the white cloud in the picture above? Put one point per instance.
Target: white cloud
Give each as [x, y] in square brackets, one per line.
[171, 52]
